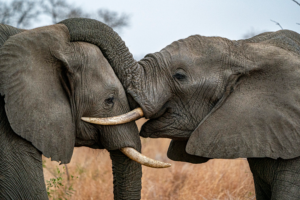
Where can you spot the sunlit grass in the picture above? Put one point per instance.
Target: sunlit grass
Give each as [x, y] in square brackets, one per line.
[216, 179]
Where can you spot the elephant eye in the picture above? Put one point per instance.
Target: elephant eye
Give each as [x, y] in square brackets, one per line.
[179, 76]
[109, 100]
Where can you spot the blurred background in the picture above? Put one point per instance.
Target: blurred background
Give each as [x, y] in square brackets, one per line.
[147, 27]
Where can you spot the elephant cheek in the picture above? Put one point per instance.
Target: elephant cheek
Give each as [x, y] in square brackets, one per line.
[164, 129]
[148, 130]
[156, 129]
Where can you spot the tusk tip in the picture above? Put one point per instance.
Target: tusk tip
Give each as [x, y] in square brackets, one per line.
[89, 120]
[143, 160]
[86, 119]
[166, 165]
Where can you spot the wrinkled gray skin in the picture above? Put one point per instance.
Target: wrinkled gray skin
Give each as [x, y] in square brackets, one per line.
[218, 98]
[47, 83]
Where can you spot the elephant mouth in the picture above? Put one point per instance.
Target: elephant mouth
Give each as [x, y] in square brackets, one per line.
[128, 151]
[161, 112]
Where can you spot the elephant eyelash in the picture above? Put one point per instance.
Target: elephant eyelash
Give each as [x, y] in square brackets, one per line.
[179, 77]
[109, 100]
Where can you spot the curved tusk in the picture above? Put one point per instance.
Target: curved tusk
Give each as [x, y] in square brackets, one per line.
[121, 119]
[143, 160]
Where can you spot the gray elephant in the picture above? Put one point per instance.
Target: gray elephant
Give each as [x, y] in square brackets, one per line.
[217, 98]
[47, 84]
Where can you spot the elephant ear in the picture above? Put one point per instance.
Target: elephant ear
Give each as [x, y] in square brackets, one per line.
[36, 104]
[260, 116]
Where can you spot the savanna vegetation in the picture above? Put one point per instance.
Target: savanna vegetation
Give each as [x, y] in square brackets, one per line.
[89, 176]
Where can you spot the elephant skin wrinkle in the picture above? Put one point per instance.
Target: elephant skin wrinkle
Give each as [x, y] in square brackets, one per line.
[221, 98]
[48, 83]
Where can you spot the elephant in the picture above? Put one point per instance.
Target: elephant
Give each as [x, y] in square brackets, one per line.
[218, 98]
[221, 98]
[47, 84]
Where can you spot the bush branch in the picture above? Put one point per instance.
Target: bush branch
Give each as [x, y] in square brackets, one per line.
[277, 24]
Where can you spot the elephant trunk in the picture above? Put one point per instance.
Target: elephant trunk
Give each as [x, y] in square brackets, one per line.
[109, 42]
[127, 176]
[129, 72]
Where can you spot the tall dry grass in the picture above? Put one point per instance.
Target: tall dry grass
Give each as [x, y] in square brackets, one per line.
[216, 179]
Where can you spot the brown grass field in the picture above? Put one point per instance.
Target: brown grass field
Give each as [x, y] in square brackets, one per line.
[216, 179]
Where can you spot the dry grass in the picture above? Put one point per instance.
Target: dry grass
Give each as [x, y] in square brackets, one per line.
[216, 179]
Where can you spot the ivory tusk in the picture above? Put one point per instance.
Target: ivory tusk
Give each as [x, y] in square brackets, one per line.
[121, 119]
[143, 160]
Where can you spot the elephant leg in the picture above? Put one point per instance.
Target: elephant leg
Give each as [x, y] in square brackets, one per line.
[21, 169]
[262, 176]
[276, 179]
[286, 184]
[262, 189]
[287, 189]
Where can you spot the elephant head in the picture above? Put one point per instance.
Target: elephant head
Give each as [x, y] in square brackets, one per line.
[217, 98]
[49, 83]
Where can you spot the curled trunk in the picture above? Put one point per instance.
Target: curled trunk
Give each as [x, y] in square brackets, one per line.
[129, 72]
[109, 42]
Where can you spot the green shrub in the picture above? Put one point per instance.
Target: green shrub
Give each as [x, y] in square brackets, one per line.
[56, 187]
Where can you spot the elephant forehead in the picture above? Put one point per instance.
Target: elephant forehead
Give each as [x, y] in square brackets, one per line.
[96, 66]
[195, 47]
